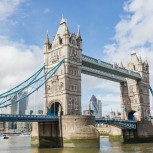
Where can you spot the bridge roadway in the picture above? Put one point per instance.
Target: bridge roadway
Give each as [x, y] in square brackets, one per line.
[98, 68]
[123, 124]
[27, 118]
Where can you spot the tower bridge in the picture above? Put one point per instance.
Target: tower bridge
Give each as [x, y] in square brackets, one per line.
[63, 64]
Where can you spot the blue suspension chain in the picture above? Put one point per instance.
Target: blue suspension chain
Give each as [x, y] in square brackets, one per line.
[48, 73]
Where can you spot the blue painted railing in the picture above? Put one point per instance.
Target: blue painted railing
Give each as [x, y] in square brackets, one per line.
[27, 118]
[123, 124]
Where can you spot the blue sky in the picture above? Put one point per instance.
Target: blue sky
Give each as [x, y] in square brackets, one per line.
[97, 21]
[109, 29]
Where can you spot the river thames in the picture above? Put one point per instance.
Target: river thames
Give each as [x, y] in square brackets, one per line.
[22, 144]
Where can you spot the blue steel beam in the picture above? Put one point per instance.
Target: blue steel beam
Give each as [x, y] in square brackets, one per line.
[102, 74]
[27, 118]
[123, 124]
[109, 68]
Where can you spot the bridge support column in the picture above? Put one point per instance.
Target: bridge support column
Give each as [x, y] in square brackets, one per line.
[123, 135]
[70, 131]
[35, 134]
[79, 131]
[129, 135]
[143, 133]
[115, 134]
[47, 134]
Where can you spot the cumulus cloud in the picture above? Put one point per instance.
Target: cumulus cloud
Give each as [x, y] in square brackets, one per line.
[133, 31]
[90, 82]
[8, 7]
[18, 62]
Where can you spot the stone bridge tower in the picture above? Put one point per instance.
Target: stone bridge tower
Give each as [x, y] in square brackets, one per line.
[63, 90]
[135, 101]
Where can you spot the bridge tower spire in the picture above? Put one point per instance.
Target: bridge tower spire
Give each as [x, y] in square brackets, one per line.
[46, 43]
[63, 90]
[135, 101]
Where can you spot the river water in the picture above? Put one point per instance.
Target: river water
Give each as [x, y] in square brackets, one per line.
[22, 144]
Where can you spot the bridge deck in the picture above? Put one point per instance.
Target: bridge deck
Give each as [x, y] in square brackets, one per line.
[123, 124]
[27, 118]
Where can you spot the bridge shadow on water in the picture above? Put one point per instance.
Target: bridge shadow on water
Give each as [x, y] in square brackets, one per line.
[50, 134]
[68, 150]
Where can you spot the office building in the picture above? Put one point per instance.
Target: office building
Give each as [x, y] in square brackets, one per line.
[96, 105]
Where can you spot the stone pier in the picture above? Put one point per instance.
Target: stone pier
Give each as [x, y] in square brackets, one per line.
[47, 134]
[80, 131]
[143, 133]
[70, 131]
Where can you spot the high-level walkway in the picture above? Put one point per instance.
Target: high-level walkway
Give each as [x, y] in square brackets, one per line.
[101, 69]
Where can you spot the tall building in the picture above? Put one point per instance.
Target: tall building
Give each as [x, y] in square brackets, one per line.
[96, 106]
[21, 106]
[14, 107]
[18, 108]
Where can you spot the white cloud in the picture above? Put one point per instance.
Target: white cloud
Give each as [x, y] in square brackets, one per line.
[8, 7]
[90, 82]
[18, 62]
[134, 31]
[110, 102]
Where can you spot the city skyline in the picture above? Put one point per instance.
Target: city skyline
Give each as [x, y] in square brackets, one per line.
[108, 35]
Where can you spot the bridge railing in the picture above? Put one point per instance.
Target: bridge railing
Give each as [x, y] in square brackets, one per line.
[93, 60]
[33, 118]
[124, 124]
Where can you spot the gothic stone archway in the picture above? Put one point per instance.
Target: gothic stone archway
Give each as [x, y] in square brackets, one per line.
[55, 109]
[131, 115]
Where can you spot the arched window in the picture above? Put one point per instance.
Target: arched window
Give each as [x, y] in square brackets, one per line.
[60, 41]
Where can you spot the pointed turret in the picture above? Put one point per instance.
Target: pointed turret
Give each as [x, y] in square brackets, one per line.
[78, 38]
[62, 20]
[47, 38]
[66, 31]
[63, 28]
[146, 62]
[79, 34]
[46, 43]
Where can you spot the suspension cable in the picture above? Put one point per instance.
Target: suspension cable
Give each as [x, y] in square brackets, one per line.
[52, 71]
